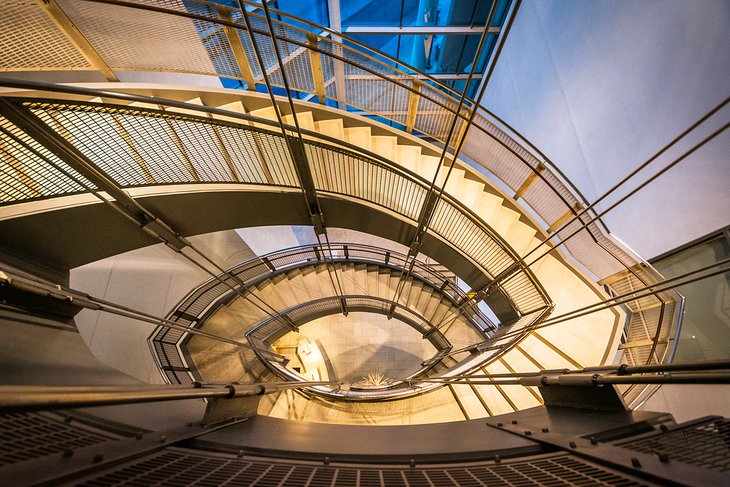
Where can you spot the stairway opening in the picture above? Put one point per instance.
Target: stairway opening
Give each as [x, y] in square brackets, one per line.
[360, 349]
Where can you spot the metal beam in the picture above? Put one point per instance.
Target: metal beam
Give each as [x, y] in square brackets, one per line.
[19, 169]
[45, 398]
[529, 181]
[419, 30]
[560, 222]
[413, 106]
[59, 17]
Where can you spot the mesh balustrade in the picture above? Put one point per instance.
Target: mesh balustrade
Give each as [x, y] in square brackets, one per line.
[188, 37]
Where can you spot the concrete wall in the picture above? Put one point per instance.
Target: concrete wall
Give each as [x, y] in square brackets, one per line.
[687, 402]
[601, 86]
[151, 279]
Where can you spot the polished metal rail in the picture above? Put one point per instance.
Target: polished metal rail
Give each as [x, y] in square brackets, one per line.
[709, 372]
[185, 140]
[266, 333]
[26, 398]
[425, 107]
[199, 303]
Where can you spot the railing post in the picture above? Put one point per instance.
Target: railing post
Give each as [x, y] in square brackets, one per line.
[528, 181]
[73, 34]
[463, 128]
[239, 53]
[566, 216]
[316, 64]
[268, 264]
[413, 105]
[183, 151]
[143, 166]
[17, 167]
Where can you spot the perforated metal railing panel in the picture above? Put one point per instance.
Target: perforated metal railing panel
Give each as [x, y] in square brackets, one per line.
[31, 40]
[705, 444]
[24, 436]
[177, 466]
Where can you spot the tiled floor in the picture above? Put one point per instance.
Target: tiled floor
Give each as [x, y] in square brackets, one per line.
[363, 343]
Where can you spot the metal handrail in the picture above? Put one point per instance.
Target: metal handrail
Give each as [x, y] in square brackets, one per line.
[287, 259]
[317, 308]
[418, 180]
[24, 398]
[555, 184]
[190, 310]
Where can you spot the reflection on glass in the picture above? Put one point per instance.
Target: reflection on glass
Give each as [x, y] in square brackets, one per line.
[311, 10]
[705, 331]
[448, 54]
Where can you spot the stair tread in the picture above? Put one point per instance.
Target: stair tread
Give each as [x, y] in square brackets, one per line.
[333, 127]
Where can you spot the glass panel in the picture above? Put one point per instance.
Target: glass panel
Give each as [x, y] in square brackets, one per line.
[705, 333]
[384, 43]
[456, 12]
[311, 10]
[410, 13]
[481, 12]
[371, 12]
[500, 13]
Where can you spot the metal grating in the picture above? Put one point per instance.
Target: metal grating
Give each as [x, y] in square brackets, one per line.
[177, 466]
[141, 147]
[24, 436]
[196, 304]
[28, 170]
[30, 40]
[129, 38]
[705, 444]
[147, 147]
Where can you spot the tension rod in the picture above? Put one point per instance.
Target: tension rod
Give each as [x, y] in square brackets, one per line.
[621, 370]
[595, 380]
[522, 262]
[25, 398]
[296, 150]
[431, 199]
[42, 287]
[631, 297]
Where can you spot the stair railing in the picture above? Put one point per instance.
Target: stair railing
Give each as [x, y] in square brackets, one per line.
[201, 302]
[373, 83]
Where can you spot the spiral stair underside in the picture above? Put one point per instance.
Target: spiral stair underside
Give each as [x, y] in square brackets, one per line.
[132, 37]
[568, 345]
[201, 169]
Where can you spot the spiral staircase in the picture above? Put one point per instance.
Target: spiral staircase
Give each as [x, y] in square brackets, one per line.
[96, 170]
